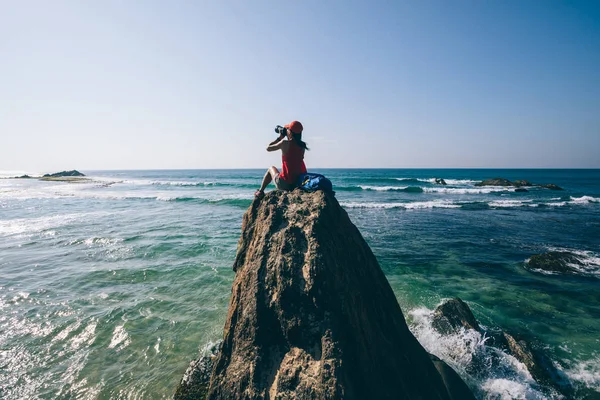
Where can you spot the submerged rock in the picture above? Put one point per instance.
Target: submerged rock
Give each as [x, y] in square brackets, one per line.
[555, 262]
[452, 315]
[455, 314]
[551, 186]
[494, 182]
[63, 173]
[538, 364]
[312, 315]
[457, 388]
[522, 182]
[440, 181]
[521, 190]
[518, 184]
[195, 381]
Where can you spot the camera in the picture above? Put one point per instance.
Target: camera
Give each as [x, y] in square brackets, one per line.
[281, 130]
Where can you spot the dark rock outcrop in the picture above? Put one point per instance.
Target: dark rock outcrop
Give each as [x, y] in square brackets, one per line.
[312, 315]
[522, 182]
[495, 182]
[561, 262]
[440, 181]
[551, 186]
[457, 388]
[521, 190]
[518, 184]
[452, 315]
[64, 173]
[195, 381]
[538, 364]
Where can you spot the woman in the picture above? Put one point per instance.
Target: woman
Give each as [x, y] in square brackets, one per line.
[292, 157]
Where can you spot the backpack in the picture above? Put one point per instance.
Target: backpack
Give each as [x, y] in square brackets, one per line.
[312, 182]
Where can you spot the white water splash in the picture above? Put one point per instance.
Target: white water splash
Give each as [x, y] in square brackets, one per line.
[119, 338]
[408, 206]
[498, 375]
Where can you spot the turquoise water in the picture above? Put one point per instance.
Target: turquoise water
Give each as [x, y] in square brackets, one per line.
[108, 289]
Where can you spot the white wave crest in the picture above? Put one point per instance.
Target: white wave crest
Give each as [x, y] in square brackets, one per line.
[35, 225]
[382, 188]
[119, 338]
[408, 206]
[590, 261]
[483, 190]
[509, 379]
[586, 372]
[584, 200]
[448, 181]
[512, 203]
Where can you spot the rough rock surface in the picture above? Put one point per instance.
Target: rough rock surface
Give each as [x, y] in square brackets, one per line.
[312, 315]
[457, 388]
[195, 381]
[495, 182]
[555, 261]
[538, 364]
[64, 173]
[452, 315]
[440, 181]
[518, 183]
[551, 186]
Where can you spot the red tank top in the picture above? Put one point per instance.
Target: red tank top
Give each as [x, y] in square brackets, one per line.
[293, 164]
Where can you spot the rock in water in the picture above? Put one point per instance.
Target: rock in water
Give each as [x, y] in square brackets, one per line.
[452, 315]
[457, 388]
[555, 262]
[495, 182]
[551, 186]
[64, 173]
[538, 364]
[312, 315]
[195, 381]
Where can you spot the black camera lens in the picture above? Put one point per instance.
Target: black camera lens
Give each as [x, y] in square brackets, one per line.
[280, 130]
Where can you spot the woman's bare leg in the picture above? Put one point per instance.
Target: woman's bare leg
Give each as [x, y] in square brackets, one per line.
[269, 176]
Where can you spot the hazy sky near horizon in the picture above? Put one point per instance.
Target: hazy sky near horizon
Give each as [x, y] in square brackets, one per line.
[201, 84]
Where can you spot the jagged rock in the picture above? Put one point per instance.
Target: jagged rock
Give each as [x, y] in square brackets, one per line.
[521, 182]
[538, 364]
[452, 315]
[64, 173]
[195, 381]
[495, 182]
[312, 315]
[551, 186]
[440, 181]
[518, 184]
[457, 388]
[555, 261]
[521, 190]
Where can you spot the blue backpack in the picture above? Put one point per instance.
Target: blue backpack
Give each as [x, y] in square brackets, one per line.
[312, 182]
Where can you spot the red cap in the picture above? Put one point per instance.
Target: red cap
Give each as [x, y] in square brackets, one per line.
[295, 127]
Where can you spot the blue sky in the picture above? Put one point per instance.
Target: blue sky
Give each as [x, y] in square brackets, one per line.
[201, 84]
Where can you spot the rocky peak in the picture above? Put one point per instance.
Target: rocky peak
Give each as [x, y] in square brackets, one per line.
[312, 315]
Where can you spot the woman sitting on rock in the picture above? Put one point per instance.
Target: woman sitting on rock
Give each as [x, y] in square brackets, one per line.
[292, 157]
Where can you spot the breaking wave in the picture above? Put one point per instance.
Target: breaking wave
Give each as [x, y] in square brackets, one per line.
[493, 373]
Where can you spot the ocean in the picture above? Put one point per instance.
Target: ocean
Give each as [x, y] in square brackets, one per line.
[109, 288]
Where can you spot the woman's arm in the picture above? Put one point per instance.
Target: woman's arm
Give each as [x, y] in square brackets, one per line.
[276, 144]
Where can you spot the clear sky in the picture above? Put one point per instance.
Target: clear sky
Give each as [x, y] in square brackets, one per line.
[201, 84]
